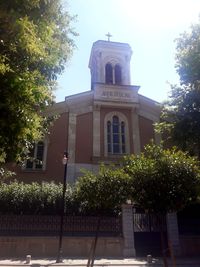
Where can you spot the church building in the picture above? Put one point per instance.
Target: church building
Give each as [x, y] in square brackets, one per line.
[100, 125]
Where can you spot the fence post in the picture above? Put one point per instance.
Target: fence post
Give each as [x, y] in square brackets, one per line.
[173, 233]
[128, 233]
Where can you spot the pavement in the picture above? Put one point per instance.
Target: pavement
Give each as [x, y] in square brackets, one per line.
[99, 262]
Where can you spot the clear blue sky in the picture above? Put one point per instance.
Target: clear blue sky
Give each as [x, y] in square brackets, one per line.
[150, 28]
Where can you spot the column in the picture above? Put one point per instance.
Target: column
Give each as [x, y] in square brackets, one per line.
[96, 131]
[128, 233]
[173, 233]
[71, 147]
[136, 131]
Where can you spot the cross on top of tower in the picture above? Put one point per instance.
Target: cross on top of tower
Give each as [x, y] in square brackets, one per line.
[108, 35]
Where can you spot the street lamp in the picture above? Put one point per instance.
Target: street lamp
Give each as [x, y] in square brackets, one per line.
[64, 161]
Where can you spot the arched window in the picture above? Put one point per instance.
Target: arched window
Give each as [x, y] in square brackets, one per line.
[109, 74]
[118, 74]
[116, 140]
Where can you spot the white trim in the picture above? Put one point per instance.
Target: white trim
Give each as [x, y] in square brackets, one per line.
[96, 130]
[72, 137]
[135, 131]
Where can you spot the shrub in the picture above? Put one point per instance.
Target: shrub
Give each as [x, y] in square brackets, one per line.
[163, 180]
[35, 198]
[104, 192]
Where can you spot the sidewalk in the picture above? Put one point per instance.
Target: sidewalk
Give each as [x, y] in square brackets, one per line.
[140, 262]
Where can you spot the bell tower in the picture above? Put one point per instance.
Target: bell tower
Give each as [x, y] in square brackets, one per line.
[110, 63]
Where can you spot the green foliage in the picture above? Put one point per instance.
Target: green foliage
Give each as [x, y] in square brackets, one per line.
[35, 44]
[44, 199]
[104, 192]
[5, 173]
[188, 55]
[181, 113]
[163, 180]
[181, 118]
[157, 180]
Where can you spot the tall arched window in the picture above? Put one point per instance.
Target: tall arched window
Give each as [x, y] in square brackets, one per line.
[109, 73]
[118, 74]
[116, 140]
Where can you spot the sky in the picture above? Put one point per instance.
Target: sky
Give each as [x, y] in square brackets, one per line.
[149, 27]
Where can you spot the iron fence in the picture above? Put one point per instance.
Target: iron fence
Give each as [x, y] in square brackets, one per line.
[50, 225]
[148, 222]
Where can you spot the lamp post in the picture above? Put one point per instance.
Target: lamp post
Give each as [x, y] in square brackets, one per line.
[64, 161]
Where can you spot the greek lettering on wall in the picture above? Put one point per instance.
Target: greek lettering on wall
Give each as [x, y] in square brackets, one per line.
[115, 94]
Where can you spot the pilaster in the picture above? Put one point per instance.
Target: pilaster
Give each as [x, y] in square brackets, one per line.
[71, 146]
[96, 131]
[136, 131]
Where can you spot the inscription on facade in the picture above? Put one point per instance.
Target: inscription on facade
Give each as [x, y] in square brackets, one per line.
[115, 94]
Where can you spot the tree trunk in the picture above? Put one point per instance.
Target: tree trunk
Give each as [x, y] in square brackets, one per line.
[163, 248]
[90, 262]
[171, 250]
[163, 243]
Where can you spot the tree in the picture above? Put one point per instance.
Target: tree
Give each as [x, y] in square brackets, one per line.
[104, 192]
[181, 118]
[188, 55]
[181, 113]
[163, 180]
[35, 44]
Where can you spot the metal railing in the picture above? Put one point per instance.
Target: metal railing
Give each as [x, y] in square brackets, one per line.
[49, 225]
[148, 222]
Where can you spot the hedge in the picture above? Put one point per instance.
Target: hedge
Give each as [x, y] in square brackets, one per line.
[35, 198]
